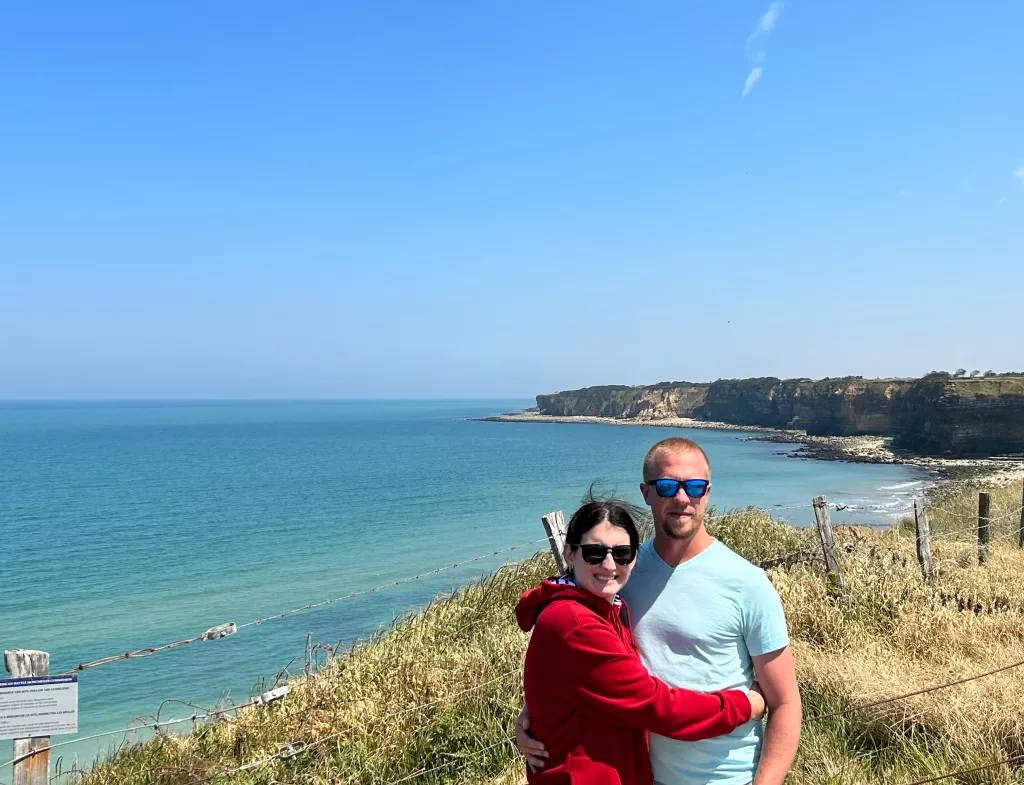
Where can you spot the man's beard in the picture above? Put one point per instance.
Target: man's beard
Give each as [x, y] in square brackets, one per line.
[683, 529]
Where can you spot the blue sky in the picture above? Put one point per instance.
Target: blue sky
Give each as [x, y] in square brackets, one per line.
[411, 199]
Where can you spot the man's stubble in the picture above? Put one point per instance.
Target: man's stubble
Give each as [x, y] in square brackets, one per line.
[683, 529]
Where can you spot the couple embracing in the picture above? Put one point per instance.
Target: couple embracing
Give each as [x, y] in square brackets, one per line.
[655, 663]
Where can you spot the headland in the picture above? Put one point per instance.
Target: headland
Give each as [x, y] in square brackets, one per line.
[952, 424]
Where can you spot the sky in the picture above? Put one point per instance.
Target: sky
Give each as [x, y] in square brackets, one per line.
[483, 199]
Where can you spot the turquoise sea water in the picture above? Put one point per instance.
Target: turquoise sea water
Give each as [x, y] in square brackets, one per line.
[127, 525]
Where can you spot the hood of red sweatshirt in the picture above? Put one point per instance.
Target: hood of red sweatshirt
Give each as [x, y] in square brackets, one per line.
[534, 600]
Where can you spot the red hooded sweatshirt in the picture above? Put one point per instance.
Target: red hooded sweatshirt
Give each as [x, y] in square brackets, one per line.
[592, 701]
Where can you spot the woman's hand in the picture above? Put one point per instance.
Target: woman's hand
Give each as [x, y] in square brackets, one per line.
[757, 705]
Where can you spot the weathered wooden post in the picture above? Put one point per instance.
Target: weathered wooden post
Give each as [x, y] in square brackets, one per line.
[554, 525]
[828, 543]
[31, 756]
[924, 539]
[983, 530]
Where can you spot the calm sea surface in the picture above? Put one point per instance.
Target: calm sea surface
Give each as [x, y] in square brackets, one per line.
[124, 525]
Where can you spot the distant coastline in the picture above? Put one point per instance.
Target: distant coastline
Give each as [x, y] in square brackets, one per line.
[855, 449]
[940, 415]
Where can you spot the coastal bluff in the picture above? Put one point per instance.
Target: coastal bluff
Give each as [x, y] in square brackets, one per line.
[939, 414]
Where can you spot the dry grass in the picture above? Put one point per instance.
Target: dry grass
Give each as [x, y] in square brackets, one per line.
[886, 633]
[363, 705]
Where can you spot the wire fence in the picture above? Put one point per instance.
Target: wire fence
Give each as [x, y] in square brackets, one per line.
[299, 747]
[223, 630]
[230, 628]
[914, 693]
[140, 725]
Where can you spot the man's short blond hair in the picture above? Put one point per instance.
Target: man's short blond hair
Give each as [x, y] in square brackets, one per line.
[676, 445]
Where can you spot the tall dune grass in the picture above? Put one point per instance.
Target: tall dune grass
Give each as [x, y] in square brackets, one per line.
[433, 699]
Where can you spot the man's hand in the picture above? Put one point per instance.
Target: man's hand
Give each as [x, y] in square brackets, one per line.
[776, 676]
[534, 751]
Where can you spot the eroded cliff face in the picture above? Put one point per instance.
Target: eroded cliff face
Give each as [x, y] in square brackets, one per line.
[654, 402]
[827, 407]
[961, 417]
[933, 416]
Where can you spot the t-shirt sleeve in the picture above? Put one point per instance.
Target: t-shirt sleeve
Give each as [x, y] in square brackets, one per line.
[764, 622]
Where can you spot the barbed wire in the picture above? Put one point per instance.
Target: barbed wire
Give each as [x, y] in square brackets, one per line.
[297, 747]
[422, 772]
[933, 688]
[973, 538]
[287, 751]
[294, 748]
[227, 629]
[1004, 761]
[143, 725]
[971, 513]
[969, 532]
[284, 751]
[785, 558]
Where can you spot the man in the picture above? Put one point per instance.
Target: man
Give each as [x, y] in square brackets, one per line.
[706, 619]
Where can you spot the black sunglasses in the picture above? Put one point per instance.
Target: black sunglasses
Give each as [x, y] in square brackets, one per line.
[668, 488]
[595, 554]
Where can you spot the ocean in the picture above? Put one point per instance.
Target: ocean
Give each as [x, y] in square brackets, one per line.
[127, 525]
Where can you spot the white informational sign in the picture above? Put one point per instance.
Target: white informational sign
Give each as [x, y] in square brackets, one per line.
[38, 706]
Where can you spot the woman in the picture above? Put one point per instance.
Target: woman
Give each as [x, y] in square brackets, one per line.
[590, 698]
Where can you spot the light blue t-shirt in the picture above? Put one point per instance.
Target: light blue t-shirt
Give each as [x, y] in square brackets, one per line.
[697, 626]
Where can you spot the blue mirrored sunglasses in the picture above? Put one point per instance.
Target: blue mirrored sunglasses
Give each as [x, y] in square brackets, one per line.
[667, 488]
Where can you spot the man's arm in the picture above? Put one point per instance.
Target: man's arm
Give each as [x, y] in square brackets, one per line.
[776, 674]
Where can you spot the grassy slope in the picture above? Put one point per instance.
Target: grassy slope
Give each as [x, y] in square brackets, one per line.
[887, 634]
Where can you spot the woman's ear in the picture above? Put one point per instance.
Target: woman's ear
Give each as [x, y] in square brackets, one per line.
[567, 555]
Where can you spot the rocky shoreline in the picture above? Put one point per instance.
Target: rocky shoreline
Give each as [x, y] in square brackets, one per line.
[855, 449]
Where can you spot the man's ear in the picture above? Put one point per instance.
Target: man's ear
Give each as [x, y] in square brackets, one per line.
[643, 492]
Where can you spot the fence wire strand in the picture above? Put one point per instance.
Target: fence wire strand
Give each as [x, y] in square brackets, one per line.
[150, 651]
[132, 729]
[933, 688]
[1004, 761]
[298, 747]
[459, 759]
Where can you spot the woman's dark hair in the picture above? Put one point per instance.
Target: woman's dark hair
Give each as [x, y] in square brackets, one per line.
[597, 511]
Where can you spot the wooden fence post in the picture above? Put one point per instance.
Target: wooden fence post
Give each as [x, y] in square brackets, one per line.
[924, 539]
[554, 525]
[983, 530]
[828, 543]
[32, 767]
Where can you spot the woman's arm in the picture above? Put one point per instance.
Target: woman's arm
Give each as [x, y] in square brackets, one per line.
[599, 672]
